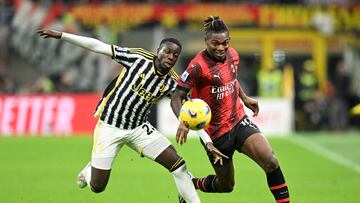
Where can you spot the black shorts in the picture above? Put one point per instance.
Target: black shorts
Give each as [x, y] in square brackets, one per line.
[235, 138]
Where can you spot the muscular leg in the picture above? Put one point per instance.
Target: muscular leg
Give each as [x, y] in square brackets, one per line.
[99, 179]
[224, 181]
[176, 165]
[95, 178]
[97, 172]
[168, 157]
[258, 149]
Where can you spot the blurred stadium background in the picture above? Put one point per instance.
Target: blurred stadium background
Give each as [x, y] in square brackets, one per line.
[300, 58]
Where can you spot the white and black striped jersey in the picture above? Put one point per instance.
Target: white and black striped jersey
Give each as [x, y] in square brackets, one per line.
[127, 99]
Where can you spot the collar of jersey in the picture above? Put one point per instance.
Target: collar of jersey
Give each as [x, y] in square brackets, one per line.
[207, 54]
[157, 72]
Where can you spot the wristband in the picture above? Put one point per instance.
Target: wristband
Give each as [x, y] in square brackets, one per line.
[204, 136]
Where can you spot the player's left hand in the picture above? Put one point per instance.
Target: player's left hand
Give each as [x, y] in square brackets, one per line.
[46, 33]
[216, 153]
[252, 104]
[181, 134]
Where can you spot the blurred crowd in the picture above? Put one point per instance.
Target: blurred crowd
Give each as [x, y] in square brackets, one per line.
[200, 1]
[315, 108]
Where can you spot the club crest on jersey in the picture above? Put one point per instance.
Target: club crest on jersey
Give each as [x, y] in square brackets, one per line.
[142, 75]
[232, 68]
[162, 88]
[184, 76]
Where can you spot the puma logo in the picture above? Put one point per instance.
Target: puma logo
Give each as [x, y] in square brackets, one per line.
[232, 68]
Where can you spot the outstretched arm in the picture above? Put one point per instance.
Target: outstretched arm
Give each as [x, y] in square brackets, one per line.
[176, 103]
[84, 42]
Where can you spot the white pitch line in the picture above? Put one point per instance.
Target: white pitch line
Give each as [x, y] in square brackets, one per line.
[328, 154]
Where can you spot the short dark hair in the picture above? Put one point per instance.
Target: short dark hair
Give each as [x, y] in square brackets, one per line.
[172, 40]
[214, 24]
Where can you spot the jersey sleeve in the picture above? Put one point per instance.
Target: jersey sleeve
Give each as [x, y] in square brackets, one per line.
[121, 55]
[127, 56]
[235, 59]
[189, 77]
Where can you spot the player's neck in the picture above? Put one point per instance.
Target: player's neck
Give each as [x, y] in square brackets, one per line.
[159, 70]
[213, 58]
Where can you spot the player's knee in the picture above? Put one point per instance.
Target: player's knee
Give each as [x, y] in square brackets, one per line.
[97, 188]
[271, 164]
[226, 188]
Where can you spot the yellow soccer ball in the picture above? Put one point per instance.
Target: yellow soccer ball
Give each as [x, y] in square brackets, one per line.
[196, 113]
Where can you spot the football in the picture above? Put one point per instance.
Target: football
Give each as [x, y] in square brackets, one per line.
[196, 113]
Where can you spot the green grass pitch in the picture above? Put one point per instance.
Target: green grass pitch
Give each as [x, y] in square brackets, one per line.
[318, 169]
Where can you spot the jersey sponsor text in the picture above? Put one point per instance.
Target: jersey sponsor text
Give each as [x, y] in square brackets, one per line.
[148, 96]
[224, 90]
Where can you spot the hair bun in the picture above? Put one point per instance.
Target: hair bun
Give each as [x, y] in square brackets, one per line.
[214, 24]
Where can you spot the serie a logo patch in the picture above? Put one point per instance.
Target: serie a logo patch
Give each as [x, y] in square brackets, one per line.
[184, 76]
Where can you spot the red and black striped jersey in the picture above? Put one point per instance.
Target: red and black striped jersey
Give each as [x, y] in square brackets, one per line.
[216, 83]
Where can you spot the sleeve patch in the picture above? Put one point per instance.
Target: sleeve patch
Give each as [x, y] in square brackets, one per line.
[184, 76]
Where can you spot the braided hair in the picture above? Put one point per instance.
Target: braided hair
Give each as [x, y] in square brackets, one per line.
[214, 24]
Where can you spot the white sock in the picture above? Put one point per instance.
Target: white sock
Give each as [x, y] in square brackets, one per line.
[87, 173]
[185, 186]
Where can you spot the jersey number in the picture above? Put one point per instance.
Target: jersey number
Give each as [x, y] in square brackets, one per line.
[149, 129]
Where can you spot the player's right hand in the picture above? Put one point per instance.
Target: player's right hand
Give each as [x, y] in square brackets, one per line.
[46, 33]
[252, 104]
[218, 156]
[181, 134]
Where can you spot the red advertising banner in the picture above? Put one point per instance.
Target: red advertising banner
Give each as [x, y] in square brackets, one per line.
[120, 16]
[47, 115]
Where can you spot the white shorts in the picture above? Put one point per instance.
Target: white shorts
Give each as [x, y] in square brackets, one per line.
[108, 140]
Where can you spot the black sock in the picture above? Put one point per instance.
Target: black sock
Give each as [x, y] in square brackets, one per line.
[278, 186]
[205, 184]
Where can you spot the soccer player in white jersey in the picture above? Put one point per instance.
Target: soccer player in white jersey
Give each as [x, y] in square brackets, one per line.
[123, 110]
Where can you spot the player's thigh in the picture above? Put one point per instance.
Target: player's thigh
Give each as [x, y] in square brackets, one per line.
[259, 149]
[149, 142]
[243, 130]
[107, 142]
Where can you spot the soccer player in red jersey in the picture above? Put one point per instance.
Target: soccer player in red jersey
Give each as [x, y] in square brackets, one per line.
[212, 76]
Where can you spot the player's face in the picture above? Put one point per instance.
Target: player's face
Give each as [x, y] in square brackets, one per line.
[167, 54]
[217, 44]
